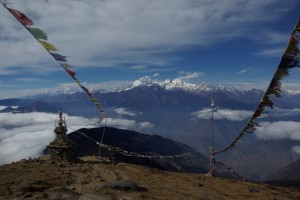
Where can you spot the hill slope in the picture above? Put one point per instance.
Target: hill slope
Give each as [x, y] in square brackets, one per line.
[41, 179]
[290, 172]
[162, 150]
[286, 176]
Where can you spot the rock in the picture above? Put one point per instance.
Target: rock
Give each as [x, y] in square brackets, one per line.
[253, 189]
[127, 185]
[94, 197]
[61, 193]
[124, 185]
[199, 185]
[27, 195]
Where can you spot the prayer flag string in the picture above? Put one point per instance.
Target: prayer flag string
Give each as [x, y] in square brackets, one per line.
[42, 37]
[290, 59]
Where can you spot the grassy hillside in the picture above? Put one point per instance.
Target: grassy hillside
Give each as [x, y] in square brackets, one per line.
[95, 179]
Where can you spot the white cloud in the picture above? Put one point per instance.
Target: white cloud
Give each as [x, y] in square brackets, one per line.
[24, 92]
[72, 86]
[124, 111]
[274, 38]
[220, 114]
[128, 124]
[155, 75]
[279, 130]
[107, 33]
[292, 91]
[280, 112]
[296, 149]
[248, 85]
[242, 71]
[276, 52]
[108, 85]
[189, 75]
[2, 107]
[145, 125]
[139, 67]
[145, 79]
[26, 135]
[30, 79]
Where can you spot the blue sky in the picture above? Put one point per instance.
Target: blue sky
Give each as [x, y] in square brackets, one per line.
[111, 43]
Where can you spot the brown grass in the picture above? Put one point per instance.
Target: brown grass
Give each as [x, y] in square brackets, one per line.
[40, 179]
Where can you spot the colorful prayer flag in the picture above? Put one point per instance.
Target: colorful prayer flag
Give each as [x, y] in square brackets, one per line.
[37, 33]
[70, 72]
[48, 46]
[289, 60]
[66, 65]
[23, 19]
[59, 57]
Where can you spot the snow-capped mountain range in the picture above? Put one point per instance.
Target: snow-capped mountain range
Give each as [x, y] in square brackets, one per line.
[176, 84]
[182, 85]
[170, 85]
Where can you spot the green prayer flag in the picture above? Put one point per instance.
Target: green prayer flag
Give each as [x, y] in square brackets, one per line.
[37, 33]
[94, 100]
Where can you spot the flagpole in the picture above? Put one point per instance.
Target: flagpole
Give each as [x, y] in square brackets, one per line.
[212, 159]
[212, 122]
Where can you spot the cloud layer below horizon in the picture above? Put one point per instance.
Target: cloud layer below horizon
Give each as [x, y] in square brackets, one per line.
[25, 135]
[223, 114]
[268, 130]
[279, 130]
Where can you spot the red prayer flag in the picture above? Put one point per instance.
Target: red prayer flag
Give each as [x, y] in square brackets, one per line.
[23, 19]
[71, 72]
[89, 94]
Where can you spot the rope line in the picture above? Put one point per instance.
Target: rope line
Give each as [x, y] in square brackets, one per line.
[138, 155]
[129, 153]
[231, 170]
[289, 60]
[41, 37]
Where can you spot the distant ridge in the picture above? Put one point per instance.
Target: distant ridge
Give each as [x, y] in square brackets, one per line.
[171, 85]
[168, 84]
[287, 176]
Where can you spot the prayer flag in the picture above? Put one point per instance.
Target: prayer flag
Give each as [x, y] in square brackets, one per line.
[70, 72]
[48, 46]
[66, 65]
[59, 57]
[37, 33]
[85, 89]
[23, 19]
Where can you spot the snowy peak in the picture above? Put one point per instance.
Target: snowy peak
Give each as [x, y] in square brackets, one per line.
[55, 92]
[67, 90]
[179, 84]
[142, 82]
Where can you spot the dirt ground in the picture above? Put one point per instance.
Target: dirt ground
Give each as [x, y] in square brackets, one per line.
[104, 180]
